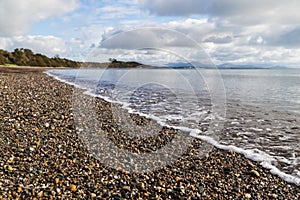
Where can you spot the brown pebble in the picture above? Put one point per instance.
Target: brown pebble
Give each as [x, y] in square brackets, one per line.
[126, 188]
[231, 152]
[56, 181]
[247, 196]
[178, 179]
[10, 168]
[274, 196]
[40, 194]
[251, 164]
[254, 172]
[19, 189]
[141, 186]
[73, 188]
[93, 195]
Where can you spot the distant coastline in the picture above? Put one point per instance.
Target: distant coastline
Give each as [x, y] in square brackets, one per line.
[26, 57]
[233, 66]
[181, 65]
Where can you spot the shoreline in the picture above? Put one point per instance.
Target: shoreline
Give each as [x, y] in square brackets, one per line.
[49, 159]
[263, 158]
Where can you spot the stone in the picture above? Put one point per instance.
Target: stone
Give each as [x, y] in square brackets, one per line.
[73, 188]
[255, 173]
[247, 196]
[141, 186]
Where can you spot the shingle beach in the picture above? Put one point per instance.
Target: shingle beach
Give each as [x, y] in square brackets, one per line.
[43, 156]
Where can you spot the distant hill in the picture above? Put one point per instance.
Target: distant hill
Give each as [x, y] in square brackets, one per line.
[26, 57]
[114, 64]
[179, 65]
[234, 66]
[121, 64]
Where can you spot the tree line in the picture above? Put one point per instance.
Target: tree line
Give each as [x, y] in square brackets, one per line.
[26, 57]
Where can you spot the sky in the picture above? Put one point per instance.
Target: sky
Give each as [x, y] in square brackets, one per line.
[243, 32]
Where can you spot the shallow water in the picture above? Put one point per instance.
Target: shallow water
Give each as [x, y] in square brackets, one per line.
[254, 112]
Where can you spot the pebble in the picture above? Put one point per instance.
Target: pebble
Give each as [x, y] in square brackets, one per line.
[141, 186]
[275, 196]
[56, 181]
[19, 189]
[47, 125]
[58, 190]
[126, 188]
[255, 173]
[73, 188]
[93, 195]
[41, 194]
[247, 196]
[10, 168]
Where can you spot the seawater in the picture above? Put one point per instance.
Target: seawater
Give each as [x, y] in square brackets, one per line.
[254, 112]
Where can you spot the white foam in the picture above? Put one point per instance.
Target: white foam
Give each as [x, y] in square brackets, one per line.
[160, 121]
[61, 80]
[254, 154]
[244, 133]
[256, 129]
[263, 158]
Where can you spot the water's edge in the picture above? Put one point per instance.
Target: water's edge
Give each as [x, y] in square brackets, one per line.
[261, 157]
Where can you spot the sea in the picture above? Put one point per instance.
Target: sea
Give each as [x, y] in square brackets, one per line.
[255, 112]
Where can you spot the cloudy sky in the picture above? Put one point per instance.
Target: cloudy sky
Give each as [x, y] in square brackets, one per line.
[260, 32]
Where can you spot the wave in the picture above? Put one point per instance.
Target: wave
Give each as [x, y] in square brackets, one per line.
[264, 159]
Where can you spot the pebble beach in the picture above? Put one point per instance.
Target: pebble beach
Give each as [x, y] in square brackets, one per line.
[43, 155]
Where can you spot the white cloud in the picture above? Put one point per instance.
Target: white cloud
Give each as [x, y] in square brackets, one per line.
[240, 45]
[149, 45]
[17, 16]
[237, 11]
[238, 31]
[146, 38]
[48, 45]
[174, 33]
[219, 39]
[113, 12]
[256, 55]
[274, 21]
